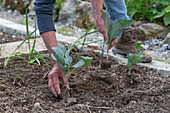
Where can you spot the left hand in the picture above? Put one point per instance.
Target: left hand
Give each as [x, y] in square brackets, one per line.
[113, 43]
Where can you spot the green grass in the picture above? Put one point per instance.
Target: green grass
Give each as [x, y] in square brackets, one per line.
[157, 59]
[65, 31]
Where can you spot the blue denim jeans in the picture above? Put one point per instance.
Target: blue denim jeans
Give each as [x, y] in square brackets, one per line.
[44, 12]
[116, 9]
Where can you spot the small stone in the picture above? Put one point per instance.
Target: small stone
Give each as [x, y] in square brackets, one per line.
[72, 100]
[13, 36]
[37, 104]
[132, 102]
[1, 33]
[165, 46]
[168, 47]
[154, 42]
[145, 46]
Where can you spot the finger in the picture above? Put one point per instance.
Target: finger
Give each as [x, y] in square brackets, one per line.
[105, 37]
[65, 81]
[56, 83]
[113, 43]
[51, 86]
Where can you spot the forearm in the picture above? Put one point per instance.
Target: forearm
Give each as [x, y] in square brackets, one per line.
[44, 12]
[97, 5]
[50, 41]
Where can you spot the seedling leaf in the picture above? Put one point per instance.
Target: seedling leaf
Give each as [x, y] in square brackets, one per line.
[105, 18]
[137, 45]
[87, 60]
[125, 23]
[84, 61]
[59, 51]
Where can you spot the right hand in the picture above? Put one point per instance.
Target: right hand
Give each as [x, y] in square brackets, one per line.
[53, 80]
[102, 29]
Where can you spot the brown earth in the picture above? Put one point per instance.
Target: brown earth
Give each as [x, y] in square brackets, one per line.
[92, 90]
[7, 38]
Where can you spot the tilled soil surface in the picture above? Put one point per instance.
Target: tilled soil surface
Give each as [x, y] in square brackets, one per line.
[93, 90]
[7, 38]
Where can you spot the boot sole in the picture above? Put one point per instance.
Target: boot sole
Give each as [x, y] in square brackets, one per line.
[148, 60]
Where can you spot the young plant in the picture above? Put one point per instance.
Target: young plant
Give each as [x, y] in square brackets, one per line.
[64, 60]
[114, 30]
[134, 58]
[32, 56]
[13, 74]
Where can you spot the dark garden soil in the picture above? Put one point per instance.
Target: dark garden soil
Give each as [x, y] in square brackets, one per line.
[93, 90]
[7, 38]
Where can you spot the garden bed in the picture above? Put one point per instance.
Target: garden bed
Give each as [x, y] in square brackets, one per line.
[7, 38]
[92, 89]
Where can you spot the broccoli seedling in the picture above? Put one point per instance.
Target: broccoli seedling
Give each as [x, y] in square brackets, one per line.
[63, 59]
[114, 30]
[135, 58]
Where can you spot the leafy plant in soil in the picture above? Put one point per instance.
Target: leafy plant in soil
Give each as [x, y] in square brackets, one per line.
[114, 30]
[134, 58]
[32, 56]
[64, 60]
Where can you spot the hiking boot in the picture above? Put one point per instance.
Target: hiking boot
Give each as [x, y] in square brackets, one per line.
[126, 45]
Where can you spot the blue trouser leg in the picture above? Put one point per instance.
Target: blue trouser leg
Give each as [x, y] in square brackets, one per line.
[44, 12]
[116, 9]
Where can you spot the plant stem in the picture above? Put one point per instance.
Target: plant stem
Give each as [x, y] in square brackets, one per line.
[70, 73]
[27, 29]
[130, 68]
[81, 50]
[31, 52]
[101, 54]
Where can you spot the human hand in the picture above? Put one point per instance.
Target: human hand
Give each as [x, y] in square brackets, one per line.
[53, 80]
[102, 29]
[113, 43]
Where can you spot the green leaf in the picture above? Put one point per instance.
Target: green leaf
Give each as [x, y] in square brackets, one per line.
[105, 18]
[80, 63]
[53, 57]
[167, 9]
[162, 13]
[68, 59]
[115, 31]
[125, 23]
[133, 59]
[132, 13]
[137, 45]
[87, 60]
[59, 51]
[84, 61]
[167, 19]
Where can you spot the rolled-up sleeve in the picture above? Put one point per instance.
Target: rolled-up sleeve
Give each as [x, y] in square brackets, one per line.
[44, 12]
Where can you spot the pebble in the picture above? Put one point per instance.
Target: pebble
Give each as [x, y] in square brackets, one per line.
[132, 102]
[168, 47]
[72, 100]
[154, 42]
[37, 104]
[165, 46]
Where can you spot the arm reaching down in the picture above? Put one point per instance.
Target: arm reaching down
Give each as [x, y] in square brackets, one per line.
[44, 12]
[97, 5]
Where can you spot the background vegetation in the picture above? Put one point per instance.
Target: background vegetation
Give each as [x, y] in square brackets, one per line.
[157, 11]
[150, 10]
